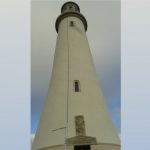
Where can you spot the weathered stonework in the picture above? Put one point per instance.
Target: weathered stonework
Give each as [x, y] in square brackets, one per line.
[80, 125]
[81, 140]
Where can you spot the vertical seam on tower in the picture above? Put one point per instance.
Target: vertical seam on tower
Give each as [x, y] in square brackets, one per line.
[66, 131]
[68, 70]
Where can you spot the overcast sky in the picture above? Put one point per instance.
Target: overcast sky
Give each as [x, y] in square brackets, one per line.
[103, 34]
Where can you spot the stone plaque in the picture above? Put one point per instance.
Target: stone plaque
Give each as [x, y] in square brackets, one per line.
[81, 140]
[80, 125]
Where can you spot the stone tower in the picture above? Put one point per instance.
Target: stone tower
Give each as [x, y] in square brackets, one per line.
[75, 116]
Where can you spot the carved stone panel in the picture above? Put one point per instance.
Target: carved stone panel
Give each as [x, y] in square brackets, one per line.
[79, 125]
[81, 140]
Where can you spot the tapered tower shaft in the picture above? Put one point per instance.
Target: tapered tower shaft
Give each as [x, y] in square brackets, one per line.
[75, 115]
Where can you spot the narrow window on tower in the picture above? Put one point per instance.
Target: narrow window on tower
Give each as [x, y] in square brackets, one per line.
[77, 86]
[71, 23]
[70, 7]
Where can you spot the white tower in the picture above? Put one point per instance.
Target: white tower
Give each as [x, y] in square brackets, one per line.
[75, 115]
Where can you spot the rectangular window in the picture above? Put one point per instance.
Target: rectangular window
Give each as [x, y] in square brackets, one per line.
[76, 86]
[71, 23]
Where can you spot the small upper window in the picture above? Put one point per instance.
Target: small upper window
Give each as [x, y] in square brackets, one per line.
[71, 23]
[70, 6]
[77, 86]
